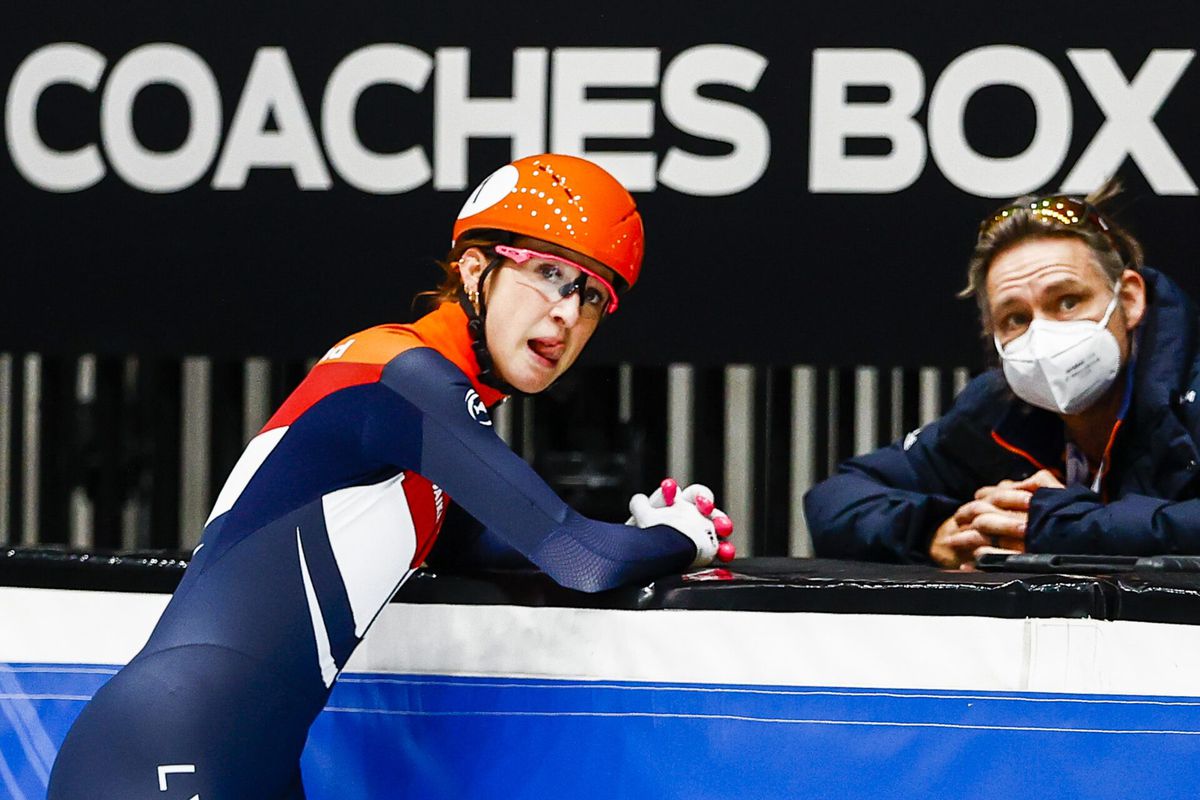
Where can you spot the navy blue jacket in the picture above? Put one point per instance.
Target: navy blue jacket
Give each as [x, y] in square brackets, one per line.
[886, 505]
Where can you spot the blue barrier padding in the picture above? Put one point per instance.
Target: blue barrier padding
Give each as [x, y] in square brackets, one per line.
[440, 737]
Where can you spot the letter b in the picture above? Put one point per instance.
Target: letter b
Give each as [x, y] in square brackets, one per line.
[834, 120]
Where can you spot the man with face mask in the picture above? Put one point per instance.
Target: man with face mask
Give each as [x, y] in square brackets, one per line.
[1085, 441]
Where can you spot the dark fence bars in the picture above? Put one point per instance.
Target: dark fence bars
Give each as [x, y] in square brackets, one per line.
[128, 453]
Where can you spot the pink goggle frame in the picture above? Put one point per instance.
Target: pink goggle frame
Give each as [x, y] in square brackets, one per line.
[520, 255]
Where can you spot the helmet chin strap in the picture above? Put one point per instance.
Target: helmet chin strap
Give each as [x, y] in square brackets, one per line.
[477, 328]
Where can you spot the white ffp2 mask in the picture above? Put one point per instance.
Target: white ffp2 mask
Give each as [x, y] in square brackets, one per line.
[1063, 365]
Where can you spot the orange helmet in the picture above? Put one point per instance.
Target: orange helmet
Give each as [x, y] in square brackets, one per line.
[561, 199]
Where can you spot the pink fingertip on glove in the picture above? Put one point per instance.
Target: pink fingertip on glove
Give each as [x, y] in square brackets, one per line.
[726, 551]
[669, 489]
[724, 526]
[704, 505]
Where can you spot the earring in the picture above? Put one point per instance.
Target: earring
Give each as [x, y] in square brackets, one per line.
[473, 296]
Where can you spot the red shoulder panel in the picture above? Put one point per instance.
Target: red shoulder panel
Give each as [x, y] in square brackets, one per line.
[361, 357]
[353, 361]
[324, 380]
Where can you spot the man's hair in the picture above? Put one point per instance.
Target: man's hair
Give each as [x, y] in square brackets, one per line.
[1113, 251]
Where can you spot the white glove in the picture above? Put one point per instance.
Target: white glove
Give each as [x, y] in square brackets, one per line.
[692, 513]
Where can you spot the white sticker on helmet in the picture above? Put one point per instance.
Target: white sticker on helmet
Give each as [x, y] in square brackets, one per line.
[495, 187]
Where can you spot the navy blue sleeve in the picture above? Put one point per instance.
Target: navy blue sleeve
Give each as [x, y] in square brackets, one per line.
[881, 506]
[1074, 520]
[886, 505]
[464, 544]
[460, 452]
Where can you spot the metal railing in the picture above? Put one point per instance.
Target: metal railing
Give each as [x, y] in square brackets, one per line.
[128, 453]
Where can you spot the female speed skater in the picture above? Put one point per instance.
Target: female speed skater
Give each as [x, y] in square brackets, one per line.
[344, 492]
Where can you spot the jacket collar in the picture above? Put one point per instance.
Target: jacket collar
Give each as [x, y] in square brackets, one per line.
[1166, 369]
[1167, 345]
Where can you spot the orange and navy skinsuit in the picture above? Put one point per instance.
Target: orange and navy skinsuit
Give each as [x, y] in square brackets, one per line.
[325, 515]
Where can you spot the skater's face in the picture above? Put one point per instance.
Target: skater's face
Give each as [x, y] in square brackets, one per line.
[543, 304]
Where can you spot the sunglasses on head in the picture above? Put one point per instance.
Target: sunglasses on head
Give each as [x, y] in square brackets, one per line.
[1060, 209]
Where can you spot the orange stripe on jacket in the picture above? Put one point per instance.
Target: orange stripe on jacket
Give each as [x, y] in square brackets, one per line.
[361, 357]
[1012, 448]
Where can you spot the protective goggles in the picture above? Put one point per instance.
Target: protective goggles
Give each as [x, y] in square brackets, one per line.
[556, 277]
[1060, 209]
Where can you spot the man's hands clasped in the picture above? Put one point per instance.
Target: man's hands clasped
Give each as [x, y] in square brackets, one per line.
[691, 512]
[994, 522]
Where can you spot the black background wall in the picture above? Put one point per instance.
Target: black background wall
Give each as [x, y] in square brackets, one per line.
[777, 232]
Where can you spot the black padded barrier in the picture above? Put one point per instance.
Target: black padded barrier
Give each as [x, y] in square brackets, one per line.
[753, 584]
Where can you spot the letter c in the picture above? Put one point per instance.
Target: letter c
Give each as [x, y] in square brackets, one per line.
[44, 167]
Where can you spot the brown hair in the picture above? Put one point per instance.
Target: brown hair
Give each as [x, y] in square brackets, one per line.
[448, 290]
[1115, 250]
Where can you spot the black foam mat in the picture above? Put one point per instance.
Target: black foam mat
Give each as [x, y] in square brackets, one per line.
[752, 584]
